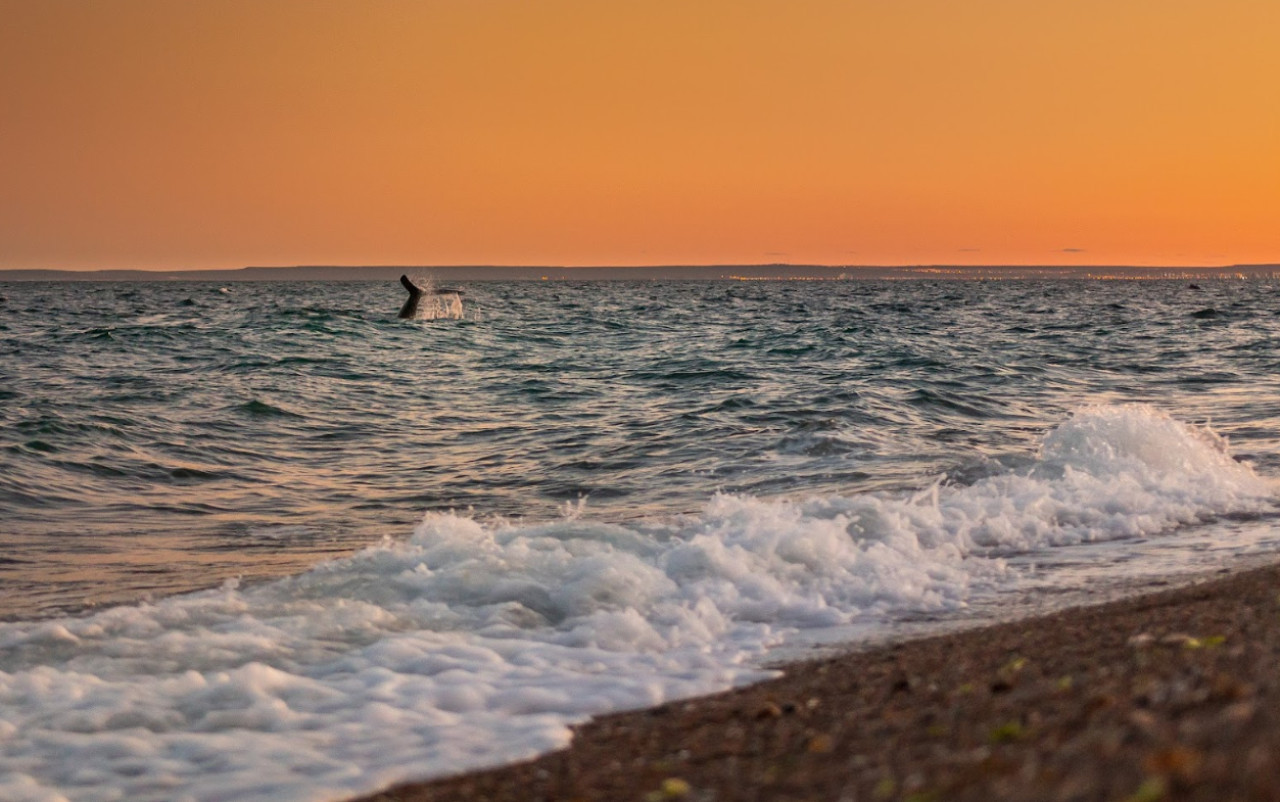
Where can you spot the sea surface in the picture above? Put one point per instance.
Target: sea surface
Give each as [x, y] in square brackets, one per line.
[268, 541]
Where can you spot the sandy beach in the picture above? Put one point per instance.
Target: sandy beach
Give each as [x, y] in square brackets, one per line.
[1164, 696]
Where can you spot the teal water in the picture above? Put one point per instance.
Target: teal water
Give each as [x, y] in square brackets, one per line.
[163, 437]
[269, 542]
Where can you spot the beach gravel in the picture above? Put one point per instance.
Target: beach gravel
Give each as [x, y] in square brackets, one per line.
[1166, 696]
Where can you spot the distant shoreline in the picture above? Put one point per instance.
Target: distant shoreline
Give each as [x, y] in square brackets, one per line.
[771, 272]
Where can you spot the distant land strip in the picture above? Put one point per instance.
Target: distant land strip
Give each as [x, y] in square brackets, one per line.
[772, 272]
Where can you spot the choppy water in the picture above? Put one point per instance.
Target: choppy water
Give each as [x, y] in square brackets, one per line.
[633, 491]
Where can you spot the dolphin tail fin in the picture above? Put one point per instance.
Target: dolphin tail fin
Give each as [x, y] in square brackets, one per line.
[414, 289]
[410, 307]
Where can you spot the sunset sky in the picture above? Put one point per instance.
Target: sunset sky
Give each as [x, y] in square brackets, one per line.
[175, 134]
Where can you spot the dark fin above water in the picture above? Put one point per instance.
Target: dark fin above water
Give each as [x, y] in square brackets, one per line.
[410, 307]
[413, 289]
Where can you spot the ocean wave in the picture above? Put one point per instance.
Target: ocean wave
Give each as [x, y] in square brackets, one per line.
[472, 643]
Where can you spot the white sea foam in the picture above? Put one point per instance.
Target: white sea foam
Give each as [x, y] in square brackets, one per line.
[470, 645]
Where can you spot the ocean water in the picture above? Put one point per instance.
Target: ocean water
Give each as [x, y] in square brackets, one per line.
[267, 541]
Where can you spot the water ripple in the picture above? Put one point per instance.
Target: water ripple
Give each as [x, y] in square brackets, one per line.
[179, 413]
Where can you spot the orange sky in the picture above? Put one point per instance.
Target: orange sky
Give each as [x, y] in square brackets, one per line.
[173, 134]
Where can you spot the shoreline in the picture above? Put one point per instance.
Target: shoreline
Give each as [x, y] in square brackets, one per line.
[1166, 695]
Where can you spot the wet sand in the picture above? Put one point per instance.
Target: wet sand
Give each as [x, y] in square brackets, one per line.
[1174, 695]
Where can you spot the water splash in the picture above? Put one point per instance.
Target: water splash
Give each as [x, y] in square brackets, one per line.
[438, 303]
[474, 643]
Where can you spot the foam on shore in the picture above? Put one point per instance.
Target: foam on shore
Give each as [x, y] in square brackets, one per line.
[473, 644]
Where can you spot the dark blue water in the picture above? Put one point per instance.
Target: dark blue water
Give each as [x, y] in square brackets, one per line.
[161, 437]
